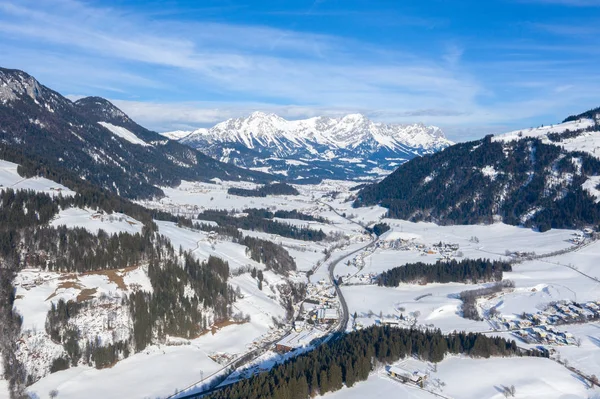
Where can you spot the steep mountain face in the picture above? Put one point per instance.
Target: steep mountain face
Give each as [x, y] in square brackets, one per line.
[545, 177]
[97, 141]
[350, 147]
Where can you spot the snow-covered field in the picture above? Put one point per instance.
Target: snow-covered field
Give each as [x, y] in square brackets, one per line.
[9, 178]
[202, 247]
[477, 379]
[156, 372]
[160, 370]
[95, 221]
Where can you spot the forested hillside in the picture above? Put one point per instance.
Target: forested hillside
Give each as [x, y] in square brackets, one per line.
[524, 181]
[97, 142]
[257, 221]
[351, 358]
[185, 298]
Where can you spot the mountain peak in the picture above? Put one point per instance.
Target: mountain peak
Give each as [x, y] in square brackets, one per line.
[260, 114]
[15, 83]
[351, 145]
[101, 109]
[355, 117]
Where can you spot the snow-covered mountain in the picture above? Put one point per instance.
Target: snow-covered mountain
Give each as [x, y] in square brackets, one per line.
[545, 177]
[177, 134]
[97, 142]
[349, 147]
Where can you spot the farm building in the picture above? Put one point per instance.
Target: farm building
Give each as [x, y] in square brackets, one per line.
[296, 340]
[404, 375]
[327, 315]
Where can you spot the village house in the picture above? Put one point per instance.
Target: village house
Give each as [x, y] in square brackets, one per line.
[407, 376]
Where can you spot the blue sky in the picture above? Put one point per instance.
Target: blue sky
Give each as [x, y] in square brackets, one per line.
[471, 67]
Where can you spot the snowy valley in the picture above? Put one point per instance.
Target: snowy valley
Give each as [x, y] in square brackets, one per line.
[182, 277]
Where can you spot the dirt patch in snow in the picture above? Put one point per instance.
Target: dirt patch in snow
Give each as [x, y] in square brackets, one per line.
[86, 294]
[114, 275]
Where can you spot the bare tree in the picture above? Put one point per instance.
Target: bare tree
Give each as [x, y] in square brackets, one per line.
[53, 393]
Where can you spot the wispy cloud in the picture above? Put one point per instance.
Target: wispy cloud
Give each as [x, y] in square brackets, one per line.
[570, 3]
[570, 30]
[170, 73]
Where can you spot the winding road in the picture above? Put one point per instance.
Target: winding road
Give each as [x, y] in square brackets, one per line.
[345, 316]
[253, 355]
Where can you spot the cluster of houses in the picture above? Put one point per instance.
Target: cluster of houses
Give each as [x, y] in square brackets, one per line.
[563, 312]
[319, 311]
[446, 252]
[545, 335]
[580, 237]
[540, 327]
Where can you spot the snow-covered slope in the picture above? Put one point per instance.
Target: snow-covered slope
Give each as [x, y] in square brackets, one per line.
[577, 135]
[96, 141]
[544, 177]
[350, 146]
[348, 132]
[177, 134]
[124, 133]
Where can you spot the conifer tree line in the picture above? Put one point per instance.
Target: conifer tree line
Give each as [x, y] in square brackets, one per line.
[263, 191]
[167, 310]
[589, 114]
[379, 228]
[569, 134]
[463, 271]
[255, 221]
[282, 214]
[10, 330]
[272, 255]
[350, 359]
[187, 296]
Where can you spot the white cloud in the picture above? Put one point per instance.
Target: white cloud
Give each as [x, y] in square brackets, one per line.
[178, 74]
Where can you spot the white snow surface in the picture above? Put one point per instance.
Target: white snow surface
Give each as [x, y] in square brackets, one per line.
[124, 134]
[202, 247]
[346, 132]
[467, 378]
[94, 221]
[586, 142]
[590, 185]
[177, 134]
[9, 178]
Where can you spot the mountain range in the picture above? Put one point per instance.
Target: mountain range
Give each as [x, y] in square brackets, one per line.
[94, 141]
[351, 147]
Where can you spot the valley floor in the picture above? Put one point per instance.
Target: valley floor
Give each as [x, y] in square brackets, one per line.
[467, 378]
[570, 277]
